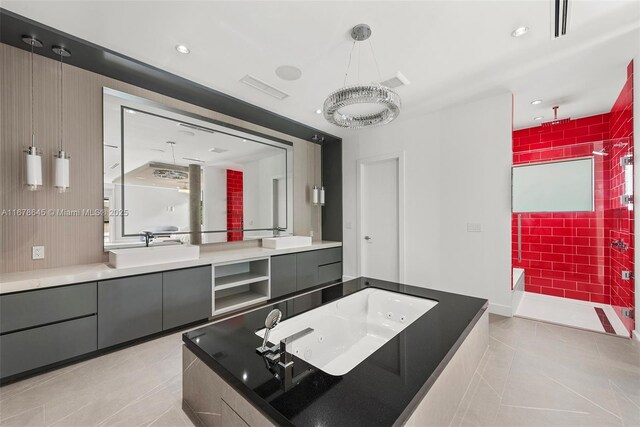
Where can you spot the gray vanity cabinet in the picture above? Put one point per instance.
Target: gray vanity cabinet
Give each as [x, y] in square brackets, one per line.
[283, 275]
[186, 296]
[306, 270]
[316, 267]
[46, 326]
[129, 308]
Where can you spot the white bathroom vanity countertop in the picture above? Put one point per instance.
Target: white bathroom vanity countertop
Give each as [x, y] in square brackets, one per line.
[45, 278]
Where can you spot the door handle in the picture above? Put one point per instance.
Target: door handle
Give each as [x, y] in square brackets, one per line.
[367, 238]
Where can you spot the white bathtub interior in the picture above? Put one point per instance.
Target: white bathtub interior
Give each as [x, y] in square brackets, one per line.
[350, 329]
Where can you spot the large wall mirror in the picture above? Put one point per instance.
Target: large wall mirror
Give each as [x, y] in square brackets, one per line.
[184, 177]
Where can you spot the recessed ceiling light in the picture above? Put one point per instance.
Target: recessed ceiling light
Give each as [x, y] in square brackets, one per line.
[520, 31]
[129, 111]
[244, 140]
[538, 118]
[182, 49]
[288, 72]
[318, 111]
[536, 102]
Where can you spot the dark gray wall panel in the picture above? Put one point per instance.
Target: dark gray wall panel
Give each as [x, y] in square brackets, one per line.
[283, 275]
[186, 296]
[332, 181]
[129, 308]
[33, 348]
[34, 308]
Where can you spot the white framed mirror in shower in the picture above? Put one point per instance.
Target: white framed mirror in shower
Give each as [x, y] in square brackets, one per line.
[559, 186]
[185, 177]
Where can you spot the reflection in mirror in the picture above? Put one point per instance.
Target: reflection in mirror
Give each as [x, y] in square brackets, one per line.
[187, 179]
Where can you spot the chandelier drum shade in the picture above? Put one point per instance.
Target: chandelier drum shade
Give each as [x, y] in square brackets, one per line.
[384, 100]
[361, 105]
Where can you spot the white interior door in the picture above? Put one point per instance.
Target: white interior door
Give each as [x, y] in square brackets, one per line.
[380, 218]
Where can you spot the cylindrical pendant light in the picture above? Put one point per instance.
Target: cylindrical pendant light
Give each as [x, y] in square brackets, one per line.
[315, 195]
[33, 156]
[322, 195]
[61, 177]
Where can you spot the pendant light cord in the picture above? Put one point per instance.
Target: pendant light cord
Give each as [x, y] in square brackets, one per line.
[61, 101]
[346, 73]
[33, 136]
[375, 60]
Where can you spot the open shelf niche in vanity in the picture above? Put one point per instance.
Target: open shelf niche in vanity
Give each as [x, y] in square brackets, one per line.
[240, 284]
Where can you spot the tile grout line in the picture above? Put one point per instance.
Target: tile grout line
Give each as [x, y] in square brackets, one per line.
[156, 419]
[578, 394]
[136, 400]
[69, 414]
[546, 409]
[624, 394]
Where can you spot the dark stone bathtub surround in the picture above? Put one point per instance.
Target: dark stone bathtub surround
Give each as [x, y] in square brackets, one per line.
[384, 389]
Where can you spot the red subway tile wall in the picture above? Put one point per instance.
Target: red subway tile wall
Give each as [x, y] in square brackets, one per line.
[565, 254]
[235, 212]
[620, 216]
[569, 254]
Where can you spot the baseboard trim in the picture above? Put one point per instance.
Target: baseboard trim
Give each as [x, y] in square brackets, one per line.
[502, 310]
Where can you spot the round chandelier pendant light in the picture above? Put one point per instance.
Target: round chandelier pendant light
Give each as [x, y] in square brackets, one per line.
[362, 105]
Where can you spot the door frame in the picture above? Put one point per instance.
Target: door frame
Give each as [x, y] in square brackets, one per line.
[360, 164]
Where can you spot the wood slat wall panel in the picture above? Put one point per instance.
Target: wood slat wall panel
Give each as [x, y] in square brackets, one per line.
[78, 240]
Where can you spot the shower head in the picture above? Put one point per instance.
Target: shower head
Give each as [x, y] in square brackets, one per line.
[556, 120]
[600, 152]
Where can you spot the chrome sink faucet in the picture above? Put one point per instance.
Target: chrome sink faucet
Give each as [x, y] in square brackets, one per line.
[148, 237]
[278, 230]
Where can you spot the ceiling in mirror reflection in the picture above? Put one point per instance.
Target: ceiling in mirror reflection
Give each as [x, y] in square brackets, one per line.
[151, 153]
[152, 138]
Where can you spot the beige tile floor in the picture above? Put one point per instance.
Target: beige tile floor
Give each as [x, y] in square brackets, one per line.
[533, 374]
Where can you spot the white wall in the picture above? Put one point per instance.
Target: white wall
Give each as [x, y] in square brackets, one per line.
[258, 179]
[150, 207]
[457, 171]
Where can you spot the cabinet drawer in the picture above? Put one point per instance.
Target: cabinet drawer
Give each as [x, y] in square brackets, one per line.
[330, 272]
[37, 347]
[34, 308]
[329, 256]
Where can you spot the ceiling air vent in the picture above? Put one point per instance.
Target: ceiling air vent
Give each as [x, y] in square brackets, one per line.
[217, 150]
[396, 81]
[263, 87]
[560, 14]
[195, 127]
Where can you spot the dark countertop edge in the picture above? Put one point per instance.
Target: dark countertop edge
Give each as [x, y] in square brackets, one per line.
[415, 402]
[276, 417]
[252, 397]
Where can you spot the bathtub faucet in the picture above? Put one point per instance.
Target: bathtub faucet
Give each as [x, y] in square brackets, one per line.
[285, 365]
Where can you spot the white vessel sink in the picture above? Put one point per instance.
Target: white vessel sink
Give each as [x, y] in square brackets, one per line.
[286, 242]
[137, 257]
[349, 330]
